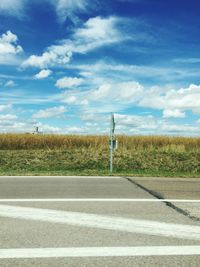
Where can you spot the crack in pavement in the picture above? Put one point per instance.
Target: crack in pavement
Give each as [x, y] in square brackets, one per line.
[159, 196]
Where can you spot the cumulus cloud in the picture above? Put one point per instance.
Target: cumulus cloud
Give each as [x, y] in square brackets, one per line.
[137, 125]
[68, 82]
[50, 112]
[147, 124]
[99, 29]
[176, 113]
[8, 44]
[181, 99]
[115, 96]
[9, 49]
[111, 96]
[54, 55]
[95, 33]
[43, 74]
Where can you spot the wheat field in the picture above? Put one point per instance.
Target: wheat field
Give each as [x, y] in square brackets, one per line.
[89, 155]
[30, 141]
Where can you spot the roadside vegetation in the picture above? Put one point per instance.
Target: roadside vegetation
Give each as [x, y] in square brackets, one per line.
[26, 154]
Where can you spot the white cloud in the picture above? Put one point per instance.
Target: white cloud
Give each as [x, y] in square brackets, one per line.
[76, 130]
[179, 129]
[70, 8]
[173, 113]
[135, 122]
[68, 82]
[9, 49]
[182, 99]
[122, 72]
[73, 100]
[70, 100]
[84, 102]
[43, 74]
[54, 55]
[64, 8]
[114, 97]
[8, 44]
[95, 33]
[5, 107]
[45, 128]
[123, 92]
[187, 60]
[99, 29]
[12, 7]
[110, 97]
[138, 124]
[15, 125]
[8, 117]
[50, 112]
[9, 83]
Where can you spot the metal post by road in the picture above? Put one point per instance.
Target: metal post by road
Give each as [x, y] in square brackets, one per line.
[112, 129]
[111, 153]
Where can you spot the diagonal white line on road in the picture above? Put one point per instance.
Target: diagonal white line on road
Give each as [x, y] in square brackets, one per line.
[97, 200]
[102, 222]
[98, 252]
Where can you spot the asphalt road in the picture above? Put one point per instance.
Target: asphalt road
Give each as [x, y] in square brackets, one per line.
[93, 221]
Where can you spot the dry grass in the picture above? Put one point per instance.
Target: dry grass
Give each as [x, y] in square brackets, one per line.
[29, 141]
[68, 154]
[163, 143]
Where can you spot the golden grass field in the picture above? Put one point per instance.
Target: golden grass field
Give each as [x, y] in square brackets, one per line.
[74, 154]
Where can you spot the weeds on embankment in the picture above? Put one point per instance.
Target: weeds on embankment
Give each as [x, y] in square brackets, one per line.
[89, 155]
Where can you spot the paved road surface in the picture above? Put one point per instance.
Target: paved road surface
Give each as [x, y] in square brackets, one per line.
[175, 188]
[93, 221]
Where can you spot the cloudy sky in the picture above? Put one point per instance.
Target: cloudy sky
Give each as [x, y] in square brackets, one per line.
[65, 65]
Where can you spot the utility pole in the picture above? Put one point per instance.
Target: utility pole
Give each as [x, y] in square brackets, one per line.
[112, 130]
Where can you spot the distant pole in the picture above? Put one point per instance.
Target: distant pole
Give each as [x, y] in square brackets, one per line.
[112, 130]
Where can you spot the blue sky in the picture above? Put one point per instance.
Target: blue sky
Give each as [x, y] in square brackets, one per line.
[65, 65]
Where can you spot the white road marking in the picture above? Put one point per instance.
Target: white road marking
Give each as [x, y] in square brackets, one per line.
[98, 252]
[102, 222]
[62, 177]
[97, 200]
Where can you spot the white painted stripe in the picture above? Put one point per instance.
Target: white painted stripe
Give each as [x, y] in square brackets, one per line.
[103, 222]
[97, 200]
[98, 252]
[62, 177]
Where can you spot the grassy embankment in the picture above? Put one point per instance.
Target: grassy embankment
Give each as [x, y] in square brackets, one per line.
[88, 155]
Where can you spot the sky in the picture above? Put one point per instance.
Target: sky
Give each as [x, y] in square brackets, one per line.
[66, 65]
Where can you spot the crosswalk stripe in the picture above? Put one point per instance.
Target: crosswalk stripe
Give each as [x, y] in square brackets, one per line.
[59, 177]
[98, 252]
[102, 222]
[97, 200]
